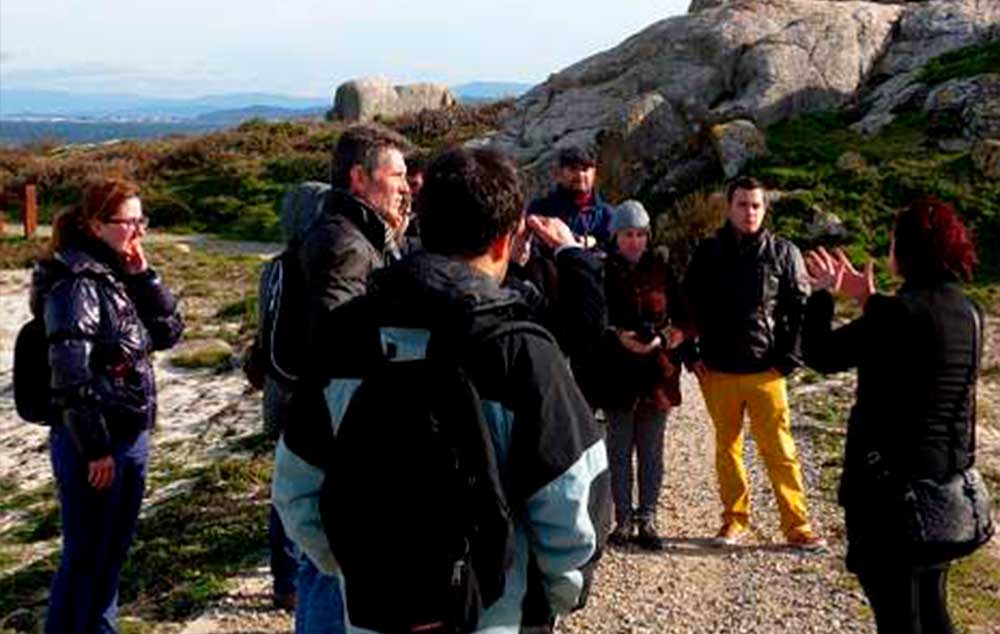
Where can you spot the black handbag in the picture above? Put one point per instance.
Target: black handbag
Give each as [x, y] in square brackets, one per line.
[944, 520]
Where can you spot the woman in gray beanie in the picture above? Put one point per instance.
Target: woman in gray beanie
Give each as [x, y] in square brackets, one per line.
[643, 377]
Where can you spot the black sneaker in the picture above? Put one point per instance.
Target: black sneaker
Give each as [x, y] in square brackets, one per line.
[621, 535]
[647, 537]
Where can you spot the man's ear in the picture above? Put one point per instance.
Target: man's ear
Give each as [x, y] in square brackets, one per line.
[357, 178]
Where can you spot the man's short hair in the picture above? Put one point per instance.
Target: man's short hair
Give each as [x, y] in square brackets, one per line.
[470, 198]
[743, 182]
[363, 145]
[576, 156]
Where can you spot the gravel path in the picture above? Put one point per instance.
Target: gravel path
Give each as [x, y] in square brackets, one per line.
[692, 587]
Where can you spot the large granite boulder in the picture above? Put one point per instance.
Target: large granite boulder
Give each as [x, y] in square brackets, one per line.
[365, 99]
[649, 105]
[925, 30]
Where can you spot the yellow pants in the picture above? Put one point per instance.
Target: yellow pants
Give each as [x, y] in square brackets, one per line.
[765, 398]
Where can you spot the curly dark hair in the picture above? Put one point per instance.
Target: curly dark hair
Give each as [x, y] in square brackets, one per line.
[363, 144]
[931, 243]
[470, 198]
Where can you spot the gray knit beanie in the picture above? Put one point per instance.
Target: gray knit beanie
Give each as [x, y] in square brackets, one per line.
[630, 215]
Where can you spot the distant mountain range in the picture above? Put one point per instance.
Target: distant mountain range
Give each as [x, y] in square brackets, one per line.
[24, 104]
[51, 104]
[32, 115]
[489, 90]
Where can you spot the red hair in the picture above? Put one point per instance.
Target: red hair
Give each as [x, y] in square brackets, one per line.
[932, 243]
[101, 200]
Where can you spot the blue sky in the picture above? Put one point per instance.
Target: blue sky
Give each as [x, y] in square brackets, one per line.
[182, 48]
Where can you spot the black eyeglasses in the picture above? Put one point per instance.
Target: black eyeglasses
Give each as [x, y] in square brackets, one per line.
[142, 222]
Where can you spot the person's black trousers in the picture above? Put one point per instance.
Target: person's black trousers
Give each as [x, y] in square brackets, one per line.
[908, 599]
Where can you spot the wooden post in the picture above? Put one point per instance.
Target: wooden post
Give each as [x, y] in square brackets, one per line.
[30, 213]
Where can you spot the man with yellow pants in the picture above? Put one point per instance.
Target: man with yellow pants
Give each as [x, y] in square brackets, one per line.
[747, 290]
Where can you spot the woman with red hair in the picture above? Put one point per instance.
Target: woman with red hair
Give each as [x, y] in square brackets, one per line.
[917, 354]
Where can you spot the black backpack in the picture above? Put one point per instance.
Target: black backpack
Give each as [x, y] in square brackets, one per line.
[412, 502]
[279, 349]
[32, 376]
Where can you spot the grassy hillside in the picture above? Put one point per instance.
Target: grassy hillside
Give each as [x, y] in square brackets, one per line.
[229, 182]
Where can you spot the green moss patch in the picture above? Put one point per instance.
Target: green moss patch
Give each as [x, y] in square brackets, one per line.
[964, 62]
[201, 353]
[974, 590]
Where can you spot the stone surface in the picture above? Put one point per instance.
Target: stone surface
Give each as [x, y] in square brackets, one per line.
[956, 94]
[851, 162]
[201, 353]
[924, 31]
[986, 157]
[370, 97]
[982, 118]
[648, 104]
[825, 224]
[736, 143]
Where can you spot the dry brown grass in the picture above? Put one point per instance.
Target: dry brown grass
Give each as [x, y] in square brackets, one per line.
[692, 218]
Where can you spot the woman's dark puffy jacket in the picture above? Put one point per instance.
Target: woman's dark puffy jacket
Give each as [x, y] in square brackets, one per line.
[102, 326]
[917, 364]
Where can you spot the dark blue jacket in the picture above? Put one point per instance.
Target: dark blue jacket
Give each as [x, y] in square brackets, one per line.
[591, 220]
[102, 326]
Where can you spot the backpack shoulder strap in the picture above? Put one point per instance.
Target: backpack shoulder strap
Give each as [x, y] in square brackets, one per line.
[505, 328]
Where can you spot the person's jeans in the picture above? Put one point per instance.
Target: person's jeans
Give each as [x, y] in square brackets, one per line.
[907, 600]
[639, 430]
[97, 530]
[320, 605]
[284, 559]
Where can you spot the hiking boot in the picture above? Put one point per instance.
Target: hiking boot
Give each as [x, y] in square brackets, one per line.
[808, 542]
[731, 534]
[647, 537]
[621, 535]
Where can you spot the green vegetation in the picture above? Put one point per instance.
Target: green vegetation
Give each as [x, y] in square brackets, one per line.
[228, 183]
[185, 549]
[974, 590]
[965, 62]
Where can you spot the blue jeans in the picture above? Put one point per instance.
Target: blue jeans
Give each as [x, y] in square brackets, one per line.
[320, 606]
[284, 560]
[639, 431]
[97, 530]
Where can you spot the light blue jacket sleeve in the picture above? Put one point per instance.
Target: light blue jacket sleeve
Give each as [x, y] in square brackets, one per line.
[295, 494]
[562, 531]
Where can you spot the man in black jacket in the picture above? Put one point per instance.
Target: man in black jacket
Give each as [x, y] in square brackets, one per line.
[550, 451]
[359, 231]
[747, 290]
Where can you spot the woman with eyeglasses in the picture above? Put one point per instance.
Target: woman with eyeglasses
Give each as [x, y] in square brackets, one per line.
[105, 311]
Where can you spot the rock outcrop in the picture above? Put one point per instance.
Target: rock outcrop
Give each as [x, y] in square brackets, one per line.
[365, 99]
[651, 105]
